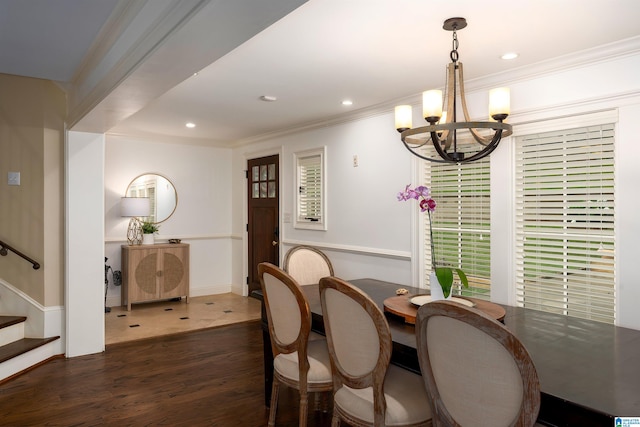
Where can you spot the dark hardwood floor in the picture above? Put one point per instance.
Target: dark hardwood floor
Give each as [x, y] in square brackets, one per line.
[211, 377]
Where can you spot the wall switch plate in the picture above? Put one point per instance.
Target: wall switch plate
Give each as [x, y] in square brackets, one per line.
[13, 178]
[286, 218]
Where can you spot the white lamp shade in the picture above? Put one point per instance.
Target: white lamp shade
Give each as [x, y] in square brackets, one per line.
[432, 104]
[499, 101]
[403, 116]
[135, 206]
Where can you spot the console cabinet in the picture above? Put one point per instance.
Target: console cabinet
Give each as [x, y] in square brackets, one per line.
[154, 272]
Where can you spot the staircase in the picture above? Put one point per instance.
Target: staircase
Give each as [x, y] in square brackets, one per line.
[19, 354]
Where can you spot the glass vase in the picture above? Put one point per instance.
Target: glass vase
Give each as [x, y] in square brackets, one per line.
[436, 290]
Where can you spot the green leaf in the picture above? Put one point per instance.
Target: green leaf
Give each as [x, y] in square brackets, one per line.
[149, 228]
[463, 278]
[445, 278]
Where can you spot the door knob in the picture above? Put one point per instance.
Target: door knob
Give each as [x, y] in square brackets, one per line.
[274, 243]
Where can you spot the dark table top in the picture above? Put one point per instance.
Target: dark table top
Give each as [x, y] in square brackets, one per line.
[588, 364]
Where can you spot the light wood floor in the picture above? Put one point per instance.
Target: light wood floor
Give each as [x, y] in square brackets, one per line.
[171, 317]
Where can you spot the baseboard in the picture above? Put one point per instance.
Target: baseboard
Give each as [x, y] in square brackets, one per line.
[209, 290]
[238, 289]
[41, 321]
[115, 300]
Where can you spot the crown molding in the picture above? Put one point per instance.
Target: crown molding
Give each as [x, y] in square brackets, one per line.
[599, 54]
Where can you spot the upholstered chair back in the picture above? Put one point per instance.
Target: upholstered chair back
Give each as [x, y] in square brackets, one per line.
[285, 317]
[368, 391]
[307, 265]
[297, 362]
[476, 371]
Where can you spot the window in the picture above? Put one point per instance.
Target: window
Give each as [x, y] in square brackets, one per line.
[264, 181]
[310, 190]
[461, 222]
[565, 222]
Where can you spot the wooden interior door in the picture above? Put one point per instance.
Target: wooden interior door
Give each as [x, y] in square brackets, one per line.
[263, 193]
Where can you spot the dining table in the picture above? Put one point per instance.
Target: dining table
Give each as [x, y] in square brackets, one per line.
[589, 371]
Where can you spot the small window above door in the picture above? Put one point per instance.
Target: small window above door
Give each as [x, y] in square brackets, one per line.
[263, 181]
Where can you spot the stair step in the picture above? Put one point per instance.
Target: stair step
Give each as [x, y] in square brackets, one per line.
[6, 321]
[22, 346]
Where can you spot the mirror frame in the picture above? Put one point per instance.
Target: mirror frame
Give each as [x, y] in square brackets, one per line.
[158, 175]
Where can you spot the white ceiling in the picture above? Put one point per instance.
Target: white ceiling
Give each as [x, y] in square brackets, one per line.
[372, 52]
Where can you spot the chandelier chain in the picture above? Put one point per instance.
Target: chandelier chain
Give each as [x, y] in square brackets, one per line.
[454, 48]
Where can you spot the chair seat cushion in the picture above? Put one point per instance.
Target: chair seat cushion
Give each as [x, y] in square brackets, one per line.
[319, 364]
[407, 400]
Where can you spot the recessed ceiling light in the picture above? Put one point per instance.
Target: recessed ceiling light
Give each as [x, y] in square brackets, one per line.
[195, 74]
[509, 55]
[190, 125]
[268, 98]
[347, 102]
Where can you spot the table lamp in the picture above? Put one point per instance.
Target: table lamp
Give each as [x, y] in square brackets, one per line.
[135, 207]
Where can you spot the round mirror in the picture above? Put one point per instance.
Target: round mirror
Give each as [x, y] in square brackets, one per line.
[160, 190]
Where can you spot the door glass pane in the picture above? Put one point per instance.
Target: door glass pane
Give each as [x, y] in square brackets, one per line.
[263, 172]
[263, 189]
[272, 171]
[256, 190]
[272, 189]
[255, 172]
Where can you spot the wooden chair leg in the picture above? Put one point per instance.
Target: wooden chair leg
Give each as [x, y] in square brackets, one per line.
[326, 401]
[275, 389]
[304, 406]
[321, 401]
[335, 420]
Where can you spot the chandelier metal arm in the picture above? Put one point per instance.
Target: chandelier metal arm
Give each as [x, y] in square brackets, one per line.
[430, 159]
[437, 144]
[446, 157]
[488, 149]
[430, 133]
[457, 125]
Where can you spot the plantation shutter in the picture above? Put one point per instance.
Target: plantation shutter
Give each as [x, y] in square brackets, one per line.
[461, 222]
[310, 190]
[565, 222]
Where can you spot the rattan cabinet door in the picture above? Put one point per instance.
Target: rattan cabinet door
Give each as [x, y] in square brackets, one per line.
[154, 272]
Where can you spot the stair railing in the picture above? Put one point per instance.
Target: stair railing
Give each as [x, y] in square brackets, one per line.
[5, 248]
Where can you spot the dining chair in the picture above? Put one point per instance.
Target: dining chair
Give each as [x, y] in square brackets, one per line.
[476, 372]
[368, 390]
[297, 362]
[307, 264]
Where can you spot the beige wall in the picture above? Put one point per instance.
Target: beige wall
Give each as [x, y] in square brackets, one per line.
[32, 114]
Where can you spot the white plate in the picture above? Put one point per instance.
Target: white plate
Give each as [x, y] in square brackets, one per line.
[423, 299]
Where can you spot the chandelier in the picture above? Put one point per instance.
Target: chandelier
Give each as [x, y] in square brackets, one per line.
[443, 134]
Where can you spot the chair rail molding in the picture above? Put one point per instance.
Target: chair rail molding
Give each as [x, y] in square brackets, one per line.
[357, 250]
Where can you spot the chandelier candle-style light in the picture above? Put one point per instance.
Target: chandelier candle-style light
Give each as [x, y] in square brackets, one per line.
[444, 135]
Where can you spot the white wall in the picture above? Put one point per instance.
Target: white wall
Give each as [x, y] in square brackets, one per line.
[201, 176]
[370, 234]
[368, 231]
